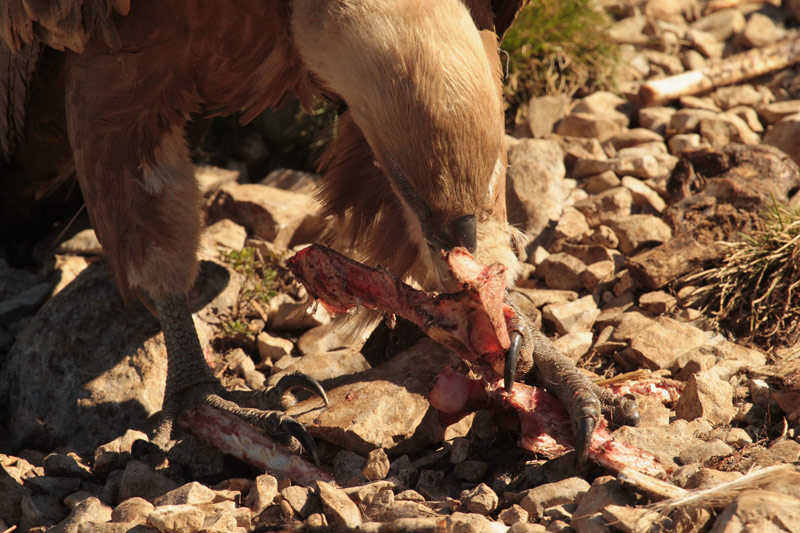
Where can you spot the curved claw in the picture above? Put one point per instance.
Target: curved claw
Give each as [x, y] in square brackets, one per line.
[302, 381]
[512, 358]
[584, 429]
[296, 430]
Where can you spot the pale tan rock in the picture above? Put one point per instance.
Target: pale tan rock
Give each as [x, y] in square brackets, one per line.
[600, 127]
[89, 510]
[661, 343]
[634, 137]
[293, 316]
[597, 273]
[693, 60]
[223, 235]
[785, 134]
[267, 212]
[481, 500]
[382, 407]
[760, 30]
[685, 141]
[628, 30]
[657, 302]
[572, 317]
[648, 148]
[639, 231]
[272, 348]
[601, 182]
[737, 95]
[536, 188]
[176, 518]
[706, 396]
[339, 509]
[773, 112]
[758, 510]
[604, 236]
[703, 452]
[377, 465]
[704, 42]
[303, 500]
[669, 62]
[575, 345]
[571, 225]
[544, 112]
[561, 272]
[721, 24]
[513, 515]
[656, 118]
[140, 480]
[323, 366]
[688, 120]
[749, 116]
[635, 519]
[262, 494]
[468, 523]
[643, 196]
[193, 493]
[607, 206]
[133, 510]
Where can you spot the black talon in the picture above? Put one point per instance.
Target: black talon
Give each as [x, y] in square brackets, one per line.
[512, 357]
[297, 431]
[302, 381]
[584, 429]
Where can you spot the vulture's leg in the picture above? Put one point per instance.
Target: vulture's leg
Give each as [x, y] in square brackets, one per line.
[126, 115]
[583, 399]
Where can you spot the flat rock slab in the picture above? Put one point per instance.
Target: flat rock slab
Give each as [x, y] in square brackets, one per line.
[385, 407]
[86, 368]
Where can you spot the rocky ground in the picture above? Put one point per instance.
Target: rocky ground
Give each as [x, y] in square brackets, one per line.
[621, 203]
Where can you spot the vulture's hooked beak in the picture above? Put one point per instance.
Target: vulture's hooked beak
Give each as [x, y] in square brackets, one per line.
[462, 232]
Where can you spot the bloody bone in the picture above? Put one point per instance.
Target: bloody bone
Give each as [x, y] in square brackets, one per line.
[235, 437]
[473, 323]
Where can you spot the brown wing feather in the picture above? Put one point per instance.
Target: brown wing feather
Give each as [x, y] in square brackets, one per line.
[59, 23]
[504, 13]
[16, 74]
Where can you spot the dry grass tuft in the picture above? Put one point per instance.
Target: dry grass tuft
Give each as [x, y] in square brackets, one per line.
[754, 292]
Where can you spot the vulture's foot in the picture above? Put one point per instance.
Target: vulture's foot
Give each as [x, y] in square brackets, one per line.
[583, 399]
[192, 389]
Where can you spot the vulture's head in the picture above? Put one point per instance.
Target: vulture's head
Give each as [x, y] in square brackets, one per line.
[423, 86]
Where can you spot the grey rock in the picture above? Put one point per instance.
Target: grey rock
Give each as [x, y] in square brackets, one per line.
[139, 480]
[537, 499]
[702, 452]
[536, 190]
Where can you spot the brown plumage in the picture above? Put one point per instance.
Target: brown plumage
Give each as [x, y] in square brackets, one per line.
[418, 163]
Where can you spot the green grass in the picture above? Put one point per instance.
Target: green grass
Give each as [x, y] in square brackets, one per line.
[555, 47]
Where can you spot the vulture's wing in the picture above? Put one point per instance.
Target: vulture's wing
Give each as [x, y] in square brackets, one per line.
[26, 25]
[59, 23]
[494, 15]
[504, 13]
